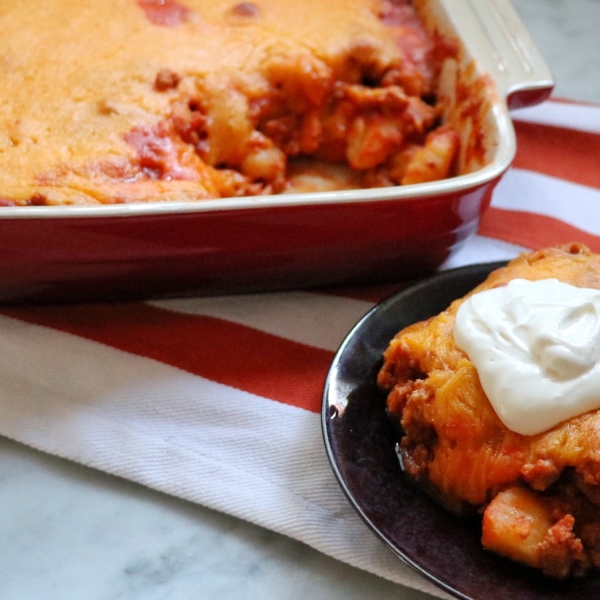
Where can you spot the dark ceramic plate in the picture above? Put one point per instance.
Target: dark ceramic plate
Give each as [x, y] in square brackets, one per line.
[360, 443]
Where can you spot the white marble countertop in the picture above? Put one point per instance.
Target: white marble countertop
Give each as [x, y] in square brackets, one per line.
[69, 532]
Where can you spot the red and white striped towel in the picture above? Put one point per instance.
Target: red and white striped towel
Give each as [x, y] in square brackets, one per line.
[217, 400]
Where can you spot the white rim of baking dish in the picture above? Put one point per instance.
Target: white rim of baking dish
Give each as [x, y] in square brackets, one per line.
[491, 33]
[503, 159]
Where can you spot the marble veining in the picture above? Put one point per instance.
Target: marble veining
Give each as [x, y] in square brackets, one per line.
[566, 32]
[71, 533]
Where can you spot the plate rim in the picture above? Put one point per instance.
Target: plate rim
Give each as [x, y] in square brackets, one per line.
[540, 587]
[483, 268]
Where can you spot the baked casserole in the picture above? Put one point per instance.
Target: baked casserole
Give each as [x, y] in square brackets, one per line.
[134, 101]
[536, 483]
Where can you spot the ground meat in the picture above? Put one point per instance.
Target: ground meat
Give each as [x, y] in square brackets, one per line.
[539, 494]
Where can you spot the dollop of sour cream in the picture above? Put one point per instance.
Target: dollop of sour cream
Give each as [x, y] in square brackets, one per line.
[536, 348]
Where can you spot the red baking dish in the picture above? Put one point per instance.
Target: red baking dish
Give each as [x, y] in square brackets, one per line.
[294, 240]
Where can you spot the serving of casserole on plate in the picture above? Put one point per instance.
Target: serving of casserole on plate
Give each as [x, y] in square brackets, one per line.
[488, 490]
[156, 147]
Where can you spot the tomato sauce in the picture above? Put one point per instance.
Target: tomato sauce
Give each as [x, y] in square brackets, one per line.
[168, 13]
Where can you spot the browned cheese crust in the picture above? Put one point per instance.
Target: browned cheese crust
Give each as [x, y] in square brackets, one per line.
[144, 100]
[540, 495]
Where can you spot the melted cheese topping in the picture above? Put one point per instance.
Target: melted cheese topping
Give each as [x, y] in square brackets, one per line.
[137, 100]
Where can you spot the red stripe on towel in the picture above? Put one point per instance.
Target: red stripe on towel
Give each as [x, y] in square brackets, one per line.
[225, 352]
[532, 230]
[559, 152]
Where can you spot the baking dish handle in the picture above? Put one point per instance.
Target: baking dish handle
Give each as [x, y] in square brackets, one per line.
[495, 36]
